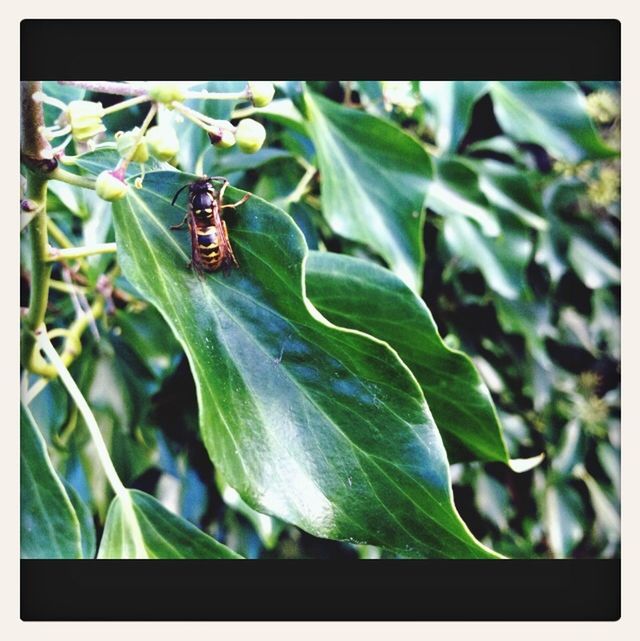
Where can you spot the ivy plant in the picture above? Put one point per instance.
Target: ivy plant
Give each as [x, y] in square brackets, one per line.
[316, 388]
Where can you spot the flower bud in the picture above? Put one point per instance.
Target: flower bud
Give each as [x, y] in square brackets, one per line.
[261, 93]
[222, 138]
[166, 92]
[602, 106]
[85, 118]
[110, 187]
[163, 142]
[250, 135]
[131, 145]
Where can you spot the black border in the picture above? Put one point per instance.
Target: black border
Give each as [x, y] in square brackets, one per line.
[321, 49]
[360, 590]
[513, 590]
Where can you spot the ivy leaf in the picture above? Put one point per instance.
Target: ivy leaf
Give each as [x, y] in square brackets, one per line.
[591, 264]
[510, 189]
[563, 516]
[49, 527]
[501, 260]
[139, 527]
[374, 179]
[456, 191]
[550, 114]
[85, 520]
[94, 162]
[322, 427]
[358, 294]
[452, 102]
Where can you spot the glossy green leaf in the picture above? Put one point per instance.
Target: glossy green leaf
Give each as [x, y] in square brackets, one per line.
[551, 114]
[510, 189]
[322, 427]
[49, 527]
[501, 260]
[85, 520]
[456, 191]
[360, 295]
[140, 527]
[374, 179]
[284, 112]
[531, 320]
[236, 160]
[94, 162]
[492, 500]
[452, 102]
[563, 519]
[267, 527]
[591, 264]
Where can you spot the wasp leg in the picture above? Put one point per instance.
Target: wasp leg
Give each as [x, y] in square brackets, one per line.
[240, 202]
[195, 263]
[182, 224]
[229, 250]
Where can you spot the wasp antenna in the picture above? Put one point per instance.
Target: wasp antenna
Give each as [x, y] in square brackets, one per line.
[173, 202]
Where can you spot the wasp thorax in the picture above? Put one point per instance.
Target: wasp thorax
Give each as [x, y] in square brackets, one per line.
[202, 201]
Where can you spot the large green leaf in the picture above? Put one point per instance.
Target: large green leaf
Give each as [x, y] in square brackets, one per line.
[456, 191]
[85, 520]
[551, 114]
[501, 260]
[592, 265]
[374, 180]
[322, 427]
[49, 527]
[452, 103]
[510, 189]
[139, 527]
[562, 519]
[358, 294]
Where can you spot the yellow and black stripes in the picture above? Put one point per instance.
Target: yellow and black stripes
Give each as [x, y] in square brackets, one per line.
[209, 246]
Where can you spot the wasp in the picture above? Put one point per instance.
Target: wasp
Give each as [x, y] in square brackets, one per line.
[210, 244]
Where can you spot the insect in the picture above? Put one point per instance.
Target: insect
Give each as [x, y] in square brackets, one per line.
[210, 244]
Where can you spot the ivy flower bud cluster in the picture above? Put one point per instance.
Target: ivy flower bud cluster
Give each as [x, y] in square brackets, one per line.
[82, 121]
[110, 185]
[85, 119]
[603, 107]
[161, 142]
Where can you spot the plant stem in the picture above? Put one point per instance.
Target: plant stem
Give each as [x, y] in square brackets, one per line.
[194, 116]
[80, 252]
[58, 235]
[33, 143]
[212, 95]
[66, 288]
[125, 104]
[200, 119]
[40, 274]
[100, 86]
[124, 162]
[301, 187]
[44, 343]
[244, 112]
[72, 179]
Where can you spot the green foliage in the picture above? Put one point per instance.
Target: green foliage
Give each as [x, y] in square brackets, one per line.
[458, 312]
[49, 526]
[139, 527]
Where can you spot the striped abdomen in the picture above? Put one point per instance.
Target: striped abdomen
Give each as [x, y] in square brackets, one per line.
[209, 246]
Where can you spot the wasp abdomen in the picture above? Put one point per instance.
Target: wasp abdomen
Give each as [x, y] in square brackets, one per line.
[209, 246]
